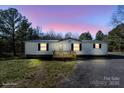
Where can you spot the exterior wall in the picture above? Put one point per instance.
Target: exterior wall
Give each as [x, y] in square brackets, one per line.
[87, 49]
[66, 44]
[31, 48]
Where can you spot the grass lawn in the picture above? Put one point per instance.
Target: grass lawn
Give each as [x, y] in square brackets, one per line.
[33, 72]
[117, 53]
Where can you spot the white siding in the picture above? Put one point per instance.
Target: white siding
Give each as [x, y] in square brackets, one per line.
[31, 48]
[87, 49]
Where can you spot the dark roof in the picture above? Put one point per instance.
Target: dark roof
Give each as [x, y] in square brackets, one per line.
[84, 41]
[42, 41]
[93, 41]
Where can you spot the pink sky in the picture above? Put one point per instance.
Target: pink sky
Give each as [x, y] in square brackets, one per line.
[79, 28]
[68, 18]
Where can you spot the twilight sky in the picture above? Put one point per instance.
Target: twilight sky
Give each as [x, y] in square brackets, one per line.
[70, 18]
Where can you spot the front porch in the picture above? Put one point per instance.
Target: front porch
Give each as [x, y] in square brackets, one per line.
[64, 54]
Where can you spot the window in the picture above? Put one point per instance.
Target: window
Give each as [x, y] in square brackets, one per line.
[43, 47]
[97, 45]
[76, 47]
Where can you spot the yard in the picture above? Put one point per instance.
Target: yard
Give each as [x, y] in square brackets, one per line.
[92, 72]
[33, 72]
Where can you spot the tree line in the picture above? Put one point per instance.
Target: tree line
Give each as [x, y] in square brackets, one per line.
[15, 29]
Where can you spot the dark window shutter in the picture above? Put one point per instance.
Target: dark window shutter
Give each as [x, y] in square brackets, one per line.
[38, 46]
[47, 47]
[72, 47]
[100, 45]
[80, 46]
[93, 45]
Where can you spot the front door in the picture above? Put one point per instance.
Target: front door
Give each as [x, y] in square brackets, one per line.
[60, 46]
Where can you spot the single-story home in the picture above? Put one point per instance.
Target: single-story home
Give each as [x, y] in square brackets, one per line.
[70, 45]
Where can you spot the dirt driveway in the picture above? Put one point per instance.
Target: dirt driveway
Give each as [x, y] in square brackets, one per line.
[96, 73]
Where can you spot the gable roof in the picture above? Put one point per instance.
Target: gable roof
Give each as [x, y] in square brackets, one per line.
[70, 39]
